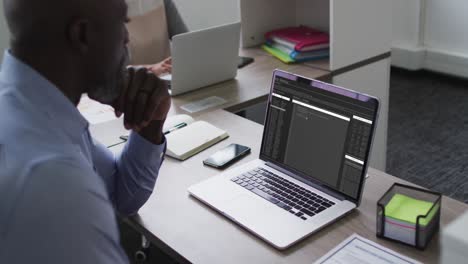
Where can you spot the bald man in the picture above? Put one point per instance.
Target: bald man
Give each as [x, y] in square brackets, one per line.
[59, 188]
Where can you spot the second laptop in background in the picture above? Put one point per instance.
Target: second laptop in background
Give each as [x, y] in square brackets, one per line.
[204, 57]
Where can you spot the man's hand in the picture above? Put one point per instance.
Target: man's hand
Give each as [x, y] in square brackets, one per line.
[160, 68]
[144, 102]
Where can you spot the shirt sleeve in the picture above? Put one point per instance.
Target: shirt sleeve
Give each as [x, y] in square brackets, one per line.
[63, 215]
[137, 170]
[130, 175]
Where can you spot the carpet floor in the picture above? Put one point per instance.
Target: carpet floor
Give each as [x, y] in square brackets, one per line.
[428, 131]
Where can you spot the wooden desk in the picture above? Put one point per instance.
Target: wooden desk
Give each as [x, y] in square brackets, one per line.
[190, 231]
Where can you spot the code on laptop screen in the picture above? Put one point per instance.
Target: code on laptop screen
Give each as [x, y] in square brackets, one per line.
[319, 133]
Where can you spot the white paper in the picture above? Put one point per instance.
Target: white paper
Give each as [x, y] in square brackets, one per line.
[203, 104]
[94, 111]
[166, 77]
[358, 250]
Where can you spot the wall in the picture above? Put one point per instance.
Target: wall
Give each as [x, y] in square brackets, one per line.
[4, 35]
[431, 34]
[446, 36]
[447, 25]
[139, 7]
[407, 46]
[406, 22]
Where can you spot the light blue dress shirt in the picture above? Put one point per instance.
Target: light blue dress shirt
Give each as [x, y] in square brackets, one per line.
[59, 188]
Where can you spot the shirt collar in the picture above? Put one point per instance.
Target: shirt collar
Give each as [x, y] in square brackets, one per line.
[43, 95]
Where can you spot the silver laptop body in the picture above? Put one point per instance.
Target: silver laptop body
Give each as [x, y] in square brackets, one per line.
[312, 165]
[204, 57]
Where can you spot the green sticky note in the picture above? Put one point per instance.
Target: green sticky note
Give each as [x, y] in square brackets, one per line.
[405, 208]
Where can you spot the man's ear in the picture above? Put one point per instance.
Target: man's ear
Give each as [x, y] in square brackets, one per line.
[79, 35]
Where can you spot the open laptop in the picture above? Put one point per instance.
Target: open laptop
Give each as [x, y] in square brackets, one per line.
[312, 165]
[204, 57]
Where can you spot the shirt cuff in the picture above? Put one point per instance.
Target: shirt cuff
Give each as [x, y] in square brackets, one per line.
[138, 146]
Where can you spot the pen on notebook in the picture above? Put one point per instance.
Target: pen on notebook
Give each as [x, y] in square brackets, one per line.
[179, 126]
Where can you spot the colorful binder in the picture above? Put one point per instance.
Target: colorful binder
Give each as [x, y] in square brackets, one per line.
[299, 38]
[295, 56]
[278, 54]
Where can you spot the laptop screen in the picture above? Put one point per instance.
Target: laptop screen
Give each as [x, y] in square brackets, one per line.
[319, 131]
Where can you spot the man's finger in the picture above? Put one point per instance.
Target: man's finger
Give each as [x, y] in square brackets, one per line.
[164, 103]
[145, 92]
[138, 80]
[139, 107]
[163, 108]
[155, 100]
[119, 104]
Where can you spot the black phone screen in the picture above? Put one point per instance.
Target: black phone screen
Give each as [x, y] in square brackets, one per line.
[244, 61]
[227, 155]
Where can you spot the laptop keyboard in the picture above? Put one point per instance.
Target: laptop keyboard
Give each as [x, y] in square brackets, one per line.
[283, 193]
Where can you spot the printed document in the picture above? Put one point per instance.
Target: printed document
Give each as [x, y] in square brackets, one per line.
[358, 250]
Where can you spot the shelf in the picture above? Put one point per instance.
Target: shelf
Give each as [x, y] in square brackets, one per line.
[322, 64]
[358, 30]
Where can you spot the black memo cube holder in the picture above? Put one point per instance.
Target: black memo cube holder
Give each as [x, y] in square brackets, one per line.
[423, 234]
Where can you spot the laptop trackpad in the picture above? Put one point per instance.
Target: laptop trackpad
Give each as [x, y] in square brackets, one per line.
[262, 218]
[244, 207]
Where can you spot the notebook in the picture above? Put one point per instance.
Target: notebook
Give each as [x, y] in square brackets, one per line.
[187, 137]
[298, 38]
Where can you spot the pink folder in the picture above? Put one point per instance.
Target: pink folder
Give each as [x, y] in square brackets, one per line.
[299, 38]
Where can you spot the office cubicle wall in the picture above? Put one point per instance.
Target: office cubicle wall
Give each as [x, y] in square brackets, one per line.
[260, 16]
[373, 79]
[189, 15]
[359, 31]
[319, 19]
[202, 14]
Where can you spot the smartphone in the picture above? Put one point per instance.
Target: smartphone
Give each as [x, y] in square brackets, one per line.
[227, 156]
[244, 61]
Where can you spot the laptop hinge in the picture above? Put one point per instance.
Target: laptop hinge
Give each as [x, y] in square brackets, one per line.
[311, 183]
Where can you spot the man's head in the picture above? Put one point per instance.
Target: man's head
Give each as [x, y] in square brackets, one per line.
[77, 44]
